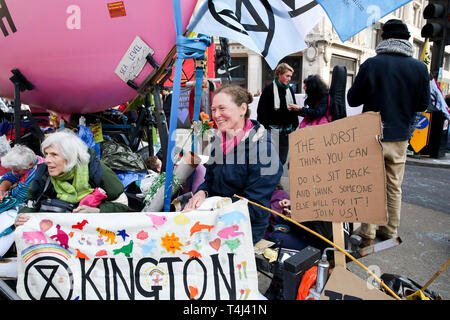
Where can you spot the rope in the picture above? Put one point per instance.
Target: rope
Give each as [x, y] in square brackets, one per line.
[187, 48]
[328, 241]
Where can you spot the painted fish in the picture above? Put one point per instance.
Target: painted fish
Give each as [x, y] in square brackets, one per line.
[199, 227]
[229, 232]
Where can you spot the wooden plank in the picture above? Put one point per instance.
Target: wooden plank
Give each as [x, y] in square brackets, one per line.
[338, 238]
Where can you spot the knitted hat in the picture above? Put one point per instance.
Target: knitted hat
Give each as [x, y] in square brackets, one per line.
[395, 28]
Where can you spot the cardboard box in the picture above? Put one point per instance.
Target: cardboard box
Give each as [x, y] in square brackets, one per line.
[344, 285]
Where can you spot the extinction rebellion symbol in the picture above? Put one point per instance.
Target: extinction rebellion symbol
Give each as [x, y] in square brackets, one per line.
[48, 270]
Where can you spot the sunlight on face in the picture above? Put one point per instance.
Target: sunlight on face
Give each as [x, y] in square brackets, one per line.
[228, 116]
[284, 78]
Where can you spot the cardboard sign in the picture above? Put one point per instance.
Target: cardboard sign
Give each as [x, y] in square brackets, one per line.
[337, 171]
[134, 60]
[121, 256]
[344, 285]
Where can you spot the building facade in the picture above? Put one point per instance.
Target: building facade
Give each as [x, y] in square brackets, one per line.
[325, 50]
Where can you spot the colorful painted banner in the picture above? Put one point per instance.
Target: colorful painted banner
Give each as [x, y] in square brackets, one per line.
[122, 256]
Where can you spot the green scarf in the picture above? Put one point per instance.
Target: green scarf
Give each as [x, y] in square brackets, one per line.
[285, 86]
[75, 191]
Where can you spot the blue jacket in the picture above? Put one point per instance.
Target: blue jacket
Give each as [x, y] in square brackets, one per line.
[252, 174]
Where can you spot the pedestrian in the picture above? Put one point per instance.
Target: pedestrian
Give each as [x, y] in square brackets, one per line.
[166, 99]
[396, 85]
[273, 112]
[243, 160]
[208, 88]
[318, 101]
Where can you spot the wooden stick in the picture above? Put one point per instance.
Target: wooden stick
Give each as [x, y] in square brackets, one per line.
[328, 241]
[338, 238]
[436, 275]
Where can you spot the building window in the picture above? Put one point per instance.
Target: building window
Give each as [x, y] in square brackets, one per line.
[348, 63]
[238, 72]
[373, 35]
[446, 62]
[296, 81]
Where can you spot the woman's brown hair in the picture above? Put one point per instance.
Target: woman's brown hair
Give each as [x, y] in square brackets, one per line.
[239, 96]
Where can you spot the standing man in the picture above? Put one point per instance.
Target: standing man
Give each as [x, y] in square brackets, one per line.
[208, 88]
[273, 112]
[166, 98]
[396, 85]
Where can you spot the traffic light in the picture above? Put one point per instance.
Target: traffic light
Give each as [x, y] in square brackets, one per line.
[437, 27]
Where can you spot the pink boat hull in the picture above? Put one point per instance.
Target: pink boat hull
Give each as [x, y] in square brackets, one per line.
[69, 49]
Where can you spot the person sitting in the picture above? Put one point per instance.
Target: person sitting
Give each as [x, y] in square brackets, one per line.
[290, 235]
[153, 163]
[249, 175]
[14, 185]
[23, 162]
[72, 173]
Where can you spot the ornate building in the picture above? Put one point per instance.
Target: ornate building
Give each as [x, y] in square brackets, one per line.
[325, 50]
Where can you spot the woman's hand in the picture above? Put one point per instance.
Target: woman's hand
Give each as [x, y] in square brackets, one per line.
[195, 201]
[4, 187]
[21, 219]
[294, 107]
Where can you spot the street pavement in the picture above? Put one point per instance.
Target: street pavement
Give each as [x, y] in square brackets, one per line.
[424, 228]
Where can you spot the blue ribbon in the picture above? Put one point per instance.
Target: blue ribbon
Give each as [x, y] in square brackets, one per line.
[187, 48]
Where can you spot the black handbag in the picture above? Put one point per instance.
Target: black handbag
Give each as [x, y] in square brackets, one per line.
[52, 205]
[56, 205]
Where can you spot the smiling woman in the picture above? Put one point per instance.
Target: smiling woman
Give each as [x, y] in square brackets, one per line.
[73, 174]
[243, 160]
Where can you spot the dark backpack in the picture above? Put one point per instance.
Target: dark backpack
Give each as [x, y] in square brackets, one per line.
[337, 92]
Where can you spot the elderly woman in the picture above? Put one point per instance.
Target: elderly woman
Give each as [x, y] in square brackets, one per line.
[14, 186]
[23, 162]
[243, 160]
[74, 174]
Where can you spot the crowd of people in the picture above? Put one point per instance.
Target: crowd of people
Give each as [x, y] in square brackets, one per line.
[71, 177]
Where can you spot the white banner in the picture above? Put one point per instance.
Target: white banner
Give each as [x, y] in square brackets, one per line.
[121, 256]
[274, 28]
